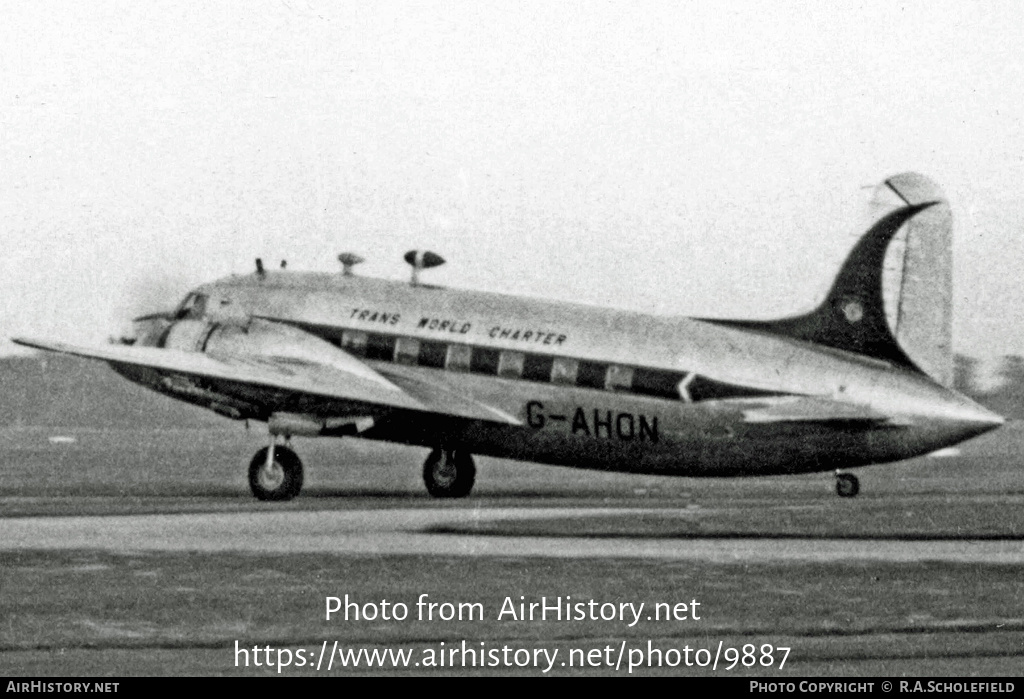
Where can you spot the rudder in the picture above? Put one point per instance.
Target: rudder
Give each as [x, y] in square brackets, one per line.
[921, 303]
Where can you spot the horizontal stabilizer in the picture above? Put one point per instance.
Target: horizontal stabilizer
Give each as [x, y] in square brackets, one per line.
[807, 409]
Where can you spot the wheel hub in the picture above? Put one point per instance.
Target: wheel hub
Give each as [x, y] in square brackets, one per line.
[271, 477]
[445, 472]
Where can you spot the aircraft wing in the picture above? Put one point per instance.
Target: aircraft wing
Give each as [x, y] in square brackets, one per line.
[812, 409]
[440, 397]
[357, 383]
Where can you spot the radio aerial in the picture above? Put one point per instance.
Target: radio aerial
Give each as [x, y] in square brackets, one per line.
[422, 259]
[348, 260]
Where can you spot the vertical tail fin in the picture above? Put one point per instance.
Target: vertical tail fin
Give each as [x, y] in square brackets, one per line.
[905, 318]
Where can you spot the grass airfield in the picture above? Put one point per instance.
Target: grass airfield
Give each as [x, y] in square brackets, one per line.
[89, 611]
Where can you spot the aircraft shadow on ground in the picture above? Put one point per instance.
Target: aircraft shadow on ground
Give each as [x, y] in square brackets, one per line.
[349, 493]
[562, 533]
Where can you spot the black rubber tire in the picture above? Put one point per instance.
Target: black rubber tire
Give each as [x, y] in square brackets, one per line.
[847, 485]
[288, 482]
[449, 474]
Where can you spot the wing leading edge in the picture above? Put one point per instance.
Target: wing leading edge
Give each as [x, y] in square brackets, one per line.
[362, 384]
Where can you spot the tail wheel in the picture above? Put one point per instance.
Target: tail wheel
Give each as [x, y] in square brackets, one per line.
[847, 485]
[279, 480]
[449, 474]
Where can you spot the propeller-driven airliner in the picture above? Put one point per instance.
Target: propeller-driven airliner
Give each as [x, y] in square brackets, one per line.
[863, 378]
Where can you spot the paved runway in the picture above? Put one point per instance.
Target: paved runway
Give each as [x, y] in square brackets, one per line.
[405, 531]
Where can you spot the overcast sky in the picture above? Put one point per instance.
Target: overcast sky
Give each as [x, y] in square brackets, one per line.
[681, 158]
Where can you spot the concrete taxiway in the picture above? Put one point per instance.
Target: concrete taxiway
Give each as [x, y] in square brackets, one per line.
[415, 532]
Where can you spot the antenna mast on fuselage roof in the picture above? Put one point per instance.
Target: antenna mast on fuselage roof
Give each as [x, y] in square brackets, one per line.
[421, 259]
[348, 260]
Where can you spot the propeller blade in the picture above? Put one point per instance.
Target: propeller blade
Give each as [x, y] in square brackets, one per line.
[164, 315]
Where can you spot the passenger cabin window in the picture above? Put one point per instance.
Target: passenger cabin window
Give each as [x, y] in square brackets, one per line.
[484, 361]
[591, 374]
[564, 371]
[380, 347]
[432, 354]
[354, 341]
[510, 364]
[407, 350]
[620, 378]
[537, 368]
[459, 357]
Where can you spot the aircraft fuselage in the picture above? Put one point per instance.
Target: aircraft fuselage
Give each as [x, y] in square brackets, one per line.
[592, 387]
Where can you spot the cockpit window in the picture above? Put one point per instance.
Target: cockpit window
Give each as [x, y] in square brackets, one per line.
[194, 306]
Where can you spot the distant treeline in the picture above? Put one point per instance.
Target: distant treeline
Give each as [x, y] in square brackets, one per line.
[1007, 395]
[56, 391]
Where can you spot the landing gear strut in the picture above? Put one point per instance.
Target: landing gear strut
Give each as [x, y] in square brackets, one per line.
[275, 473]
[847, 485]
[449, 473]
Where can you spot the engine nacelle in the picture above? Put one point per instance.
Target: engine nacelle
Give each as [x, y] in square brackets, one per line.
[266, 339]
[282, 348]
[284, 344]
[255, 338]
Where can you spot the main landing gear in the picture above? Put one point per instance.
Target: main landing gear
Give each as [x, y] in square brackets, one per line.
[847, 485]
[275, 473]
[449, 473]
